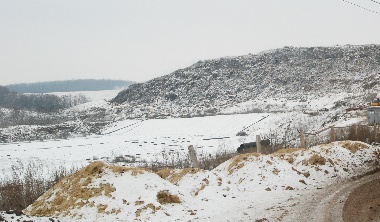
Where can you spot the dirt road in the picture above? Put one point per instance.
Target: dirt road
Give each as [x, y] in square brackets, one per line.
[363, 204]
[356, 200]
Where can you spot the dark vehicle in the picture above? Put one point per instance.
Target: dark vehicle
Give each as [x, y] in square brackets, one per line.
[251, 147]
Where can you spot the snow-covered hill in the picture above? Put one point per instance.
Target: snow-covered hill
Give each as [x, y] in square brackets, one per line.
[249, 187]
[209, 87]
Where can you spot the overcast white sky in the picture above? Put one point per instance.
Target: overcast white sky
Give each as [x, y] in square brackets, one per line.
[45, 40]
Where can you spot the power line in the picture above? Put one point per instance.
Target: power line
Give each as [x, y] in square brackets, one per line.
[363, 7]
[375, 2]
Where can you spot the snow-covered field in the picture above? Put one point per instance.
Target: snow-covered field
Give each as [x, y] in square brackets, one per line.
[146, 139]
[246, 188]
[92, 95]
[143, 139]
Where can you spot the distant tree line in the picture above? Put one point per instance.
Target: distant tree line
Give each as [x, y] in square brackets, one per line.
[69, 86]
[45, 103]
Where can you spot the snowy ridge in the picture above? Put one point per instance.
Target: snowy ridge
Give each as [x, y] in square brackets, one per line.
[209, 87]
[246, 187]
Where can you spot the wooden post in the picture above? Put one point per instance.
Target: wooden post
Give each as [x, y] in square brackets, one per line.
[302, 138]
[258, 143]
[193, 156]
[375, 132]
[332, 136]
[356, 132]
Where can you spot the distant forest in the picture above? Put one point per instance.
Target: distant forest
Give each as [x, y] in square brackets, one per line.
[69, 86]
[34, 108]
[39, 102]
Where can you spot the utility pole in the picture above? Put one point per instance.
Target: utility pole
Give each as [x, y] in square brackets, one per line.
[302, 138]
[258, 144]
[332, 136]
[193, 156]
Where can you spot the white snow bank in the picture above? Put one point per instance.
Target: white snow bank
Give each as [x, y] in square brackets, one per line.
[245, 187]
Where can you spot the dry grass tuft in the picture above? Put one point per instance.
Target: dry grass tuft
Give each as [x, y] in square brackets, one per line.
[290, 150]
[275, 171]
[74, 191]
[164, 173]
[122, 169]
[287, 154]
[139, 202]
[290, 159]
[206, 183]
[102, 208]
[315, 160]
[353, 146]
[94, 168]
[237, 161]
[220, 181]
[200, 189]
[146, 207]
[289, 188]
[164, 197]
[297, 171]
[174, 176]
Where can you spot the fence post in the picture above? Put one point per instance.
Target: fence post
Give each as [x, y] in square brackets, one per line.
[356, 132]
[193, 157]
[302, 138]
[332, 136]
[258, 143]
[375, 132]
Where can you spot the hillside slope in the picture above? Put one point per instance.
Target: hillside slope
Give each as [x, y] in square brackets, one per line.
[209, 86]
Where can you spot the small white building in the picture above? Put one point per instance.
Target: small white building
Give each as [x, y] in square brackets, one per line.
[373, 115]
